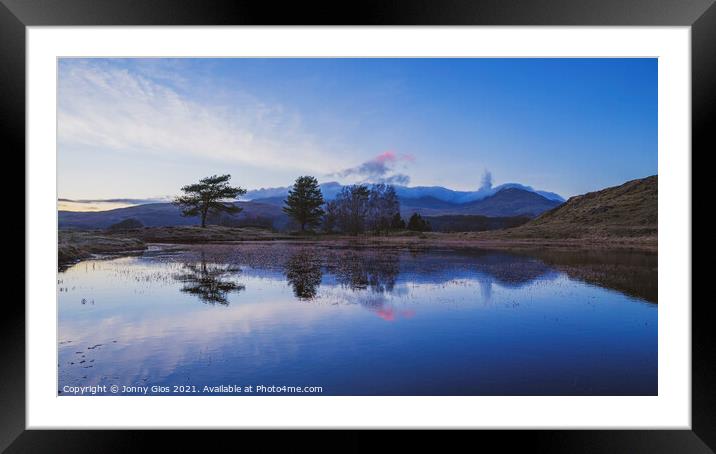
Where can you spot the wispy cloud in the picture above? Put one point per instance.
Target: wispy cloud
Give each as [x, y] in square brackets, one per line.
[486, 183]
[110, 106]
[380, 169]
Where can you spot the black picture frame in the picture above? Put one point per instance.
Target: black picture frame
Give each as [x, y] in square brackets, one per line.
[700, 15]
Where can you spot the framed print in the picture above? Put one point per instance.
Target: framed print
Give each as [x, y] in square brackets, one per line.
[465, 216]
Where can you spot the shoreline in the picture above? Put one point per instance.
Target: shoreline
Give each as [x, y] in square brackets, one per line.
[76, 245]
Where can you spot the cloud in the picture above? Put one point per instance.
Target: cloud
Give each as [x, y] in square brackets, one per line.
[398, 178]
[104, 204]
[486, 180]
[380, 169]
[111, 105]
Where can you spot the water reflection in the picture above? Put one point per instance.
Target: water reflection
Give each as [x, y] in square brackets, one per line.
[376, 271]
[463, 322]
[303, 272]
[633, 273]
[208, 281]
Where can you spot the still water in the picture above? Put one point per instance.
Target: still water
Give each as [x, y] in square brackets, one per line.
[359, 322]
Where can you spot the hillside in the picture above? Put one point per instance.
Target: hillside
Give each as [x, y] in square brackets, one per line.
[508, 202]
[331, 189]
[511, 202]
[427, 206]
[166, 214]
[628, 211]
[267, 212]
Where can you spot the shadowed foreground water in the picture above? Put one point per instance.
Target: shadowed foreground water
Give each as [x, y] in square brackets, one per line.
[359, 322]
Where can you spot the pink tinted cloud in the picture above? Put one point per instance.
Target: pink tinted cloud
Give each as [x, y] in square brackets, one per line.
[386, 156]
[381, 168]
[391, 156]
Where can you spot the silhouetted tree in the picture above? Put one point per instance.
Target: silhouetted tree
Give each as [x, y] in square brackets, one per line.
[209, 196]
[359, 208]
[418, 224]
[397, 223]
[330, 217]
[383, 204]
[304, 202]
[352, 203]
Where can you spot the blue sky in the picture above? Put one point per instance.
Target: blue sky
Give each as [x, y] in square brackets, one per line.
[145, 127]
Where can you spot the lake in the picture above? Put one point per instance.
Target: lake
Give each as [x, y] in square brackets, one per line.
[326, 320]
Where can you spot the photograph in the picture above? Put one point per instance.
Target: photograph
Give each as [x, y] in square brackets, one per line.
[417, 217]
[325, 226]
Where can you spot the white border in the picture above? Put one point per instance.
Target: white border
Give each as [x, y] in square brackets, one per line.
[670, 409]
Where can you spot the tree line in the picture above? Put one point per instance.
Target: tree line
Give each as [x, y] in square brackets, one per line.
[356, 209]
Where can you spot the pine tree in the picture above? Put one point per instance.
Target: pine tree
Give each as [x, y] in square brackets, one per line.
[210, 195]
[397, 223]
[304, 202]
[418, 224]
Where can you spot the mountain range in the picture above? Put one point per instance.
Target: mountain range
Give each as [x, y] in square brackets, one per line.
[331, 189]
[267, 211]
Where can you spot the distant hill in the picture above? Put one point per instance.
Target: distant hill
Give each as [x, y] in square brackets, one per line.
[427, 206]
[511, 202]
[626, 211]
[267, 212]
[166, 214]
[331, 189]
[262, 207]
[507, 202]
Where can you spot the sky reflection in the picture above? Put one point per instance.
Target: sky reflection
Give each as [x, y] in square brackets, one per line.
[355, 322]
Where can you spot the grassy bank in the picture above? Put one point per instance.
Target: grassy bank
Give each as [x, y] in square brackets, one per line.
[78, 245]
[570, 240]
[209, 234]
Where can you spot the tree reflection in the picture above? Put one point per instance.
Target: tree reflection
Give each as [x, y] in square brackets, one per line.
[209, 281]
[375, 271]
[303, 271]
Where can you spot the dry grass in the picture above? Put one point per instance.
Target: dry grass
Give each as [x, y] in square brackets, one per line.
[77, 245]
[625, 216]
[209, 234]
